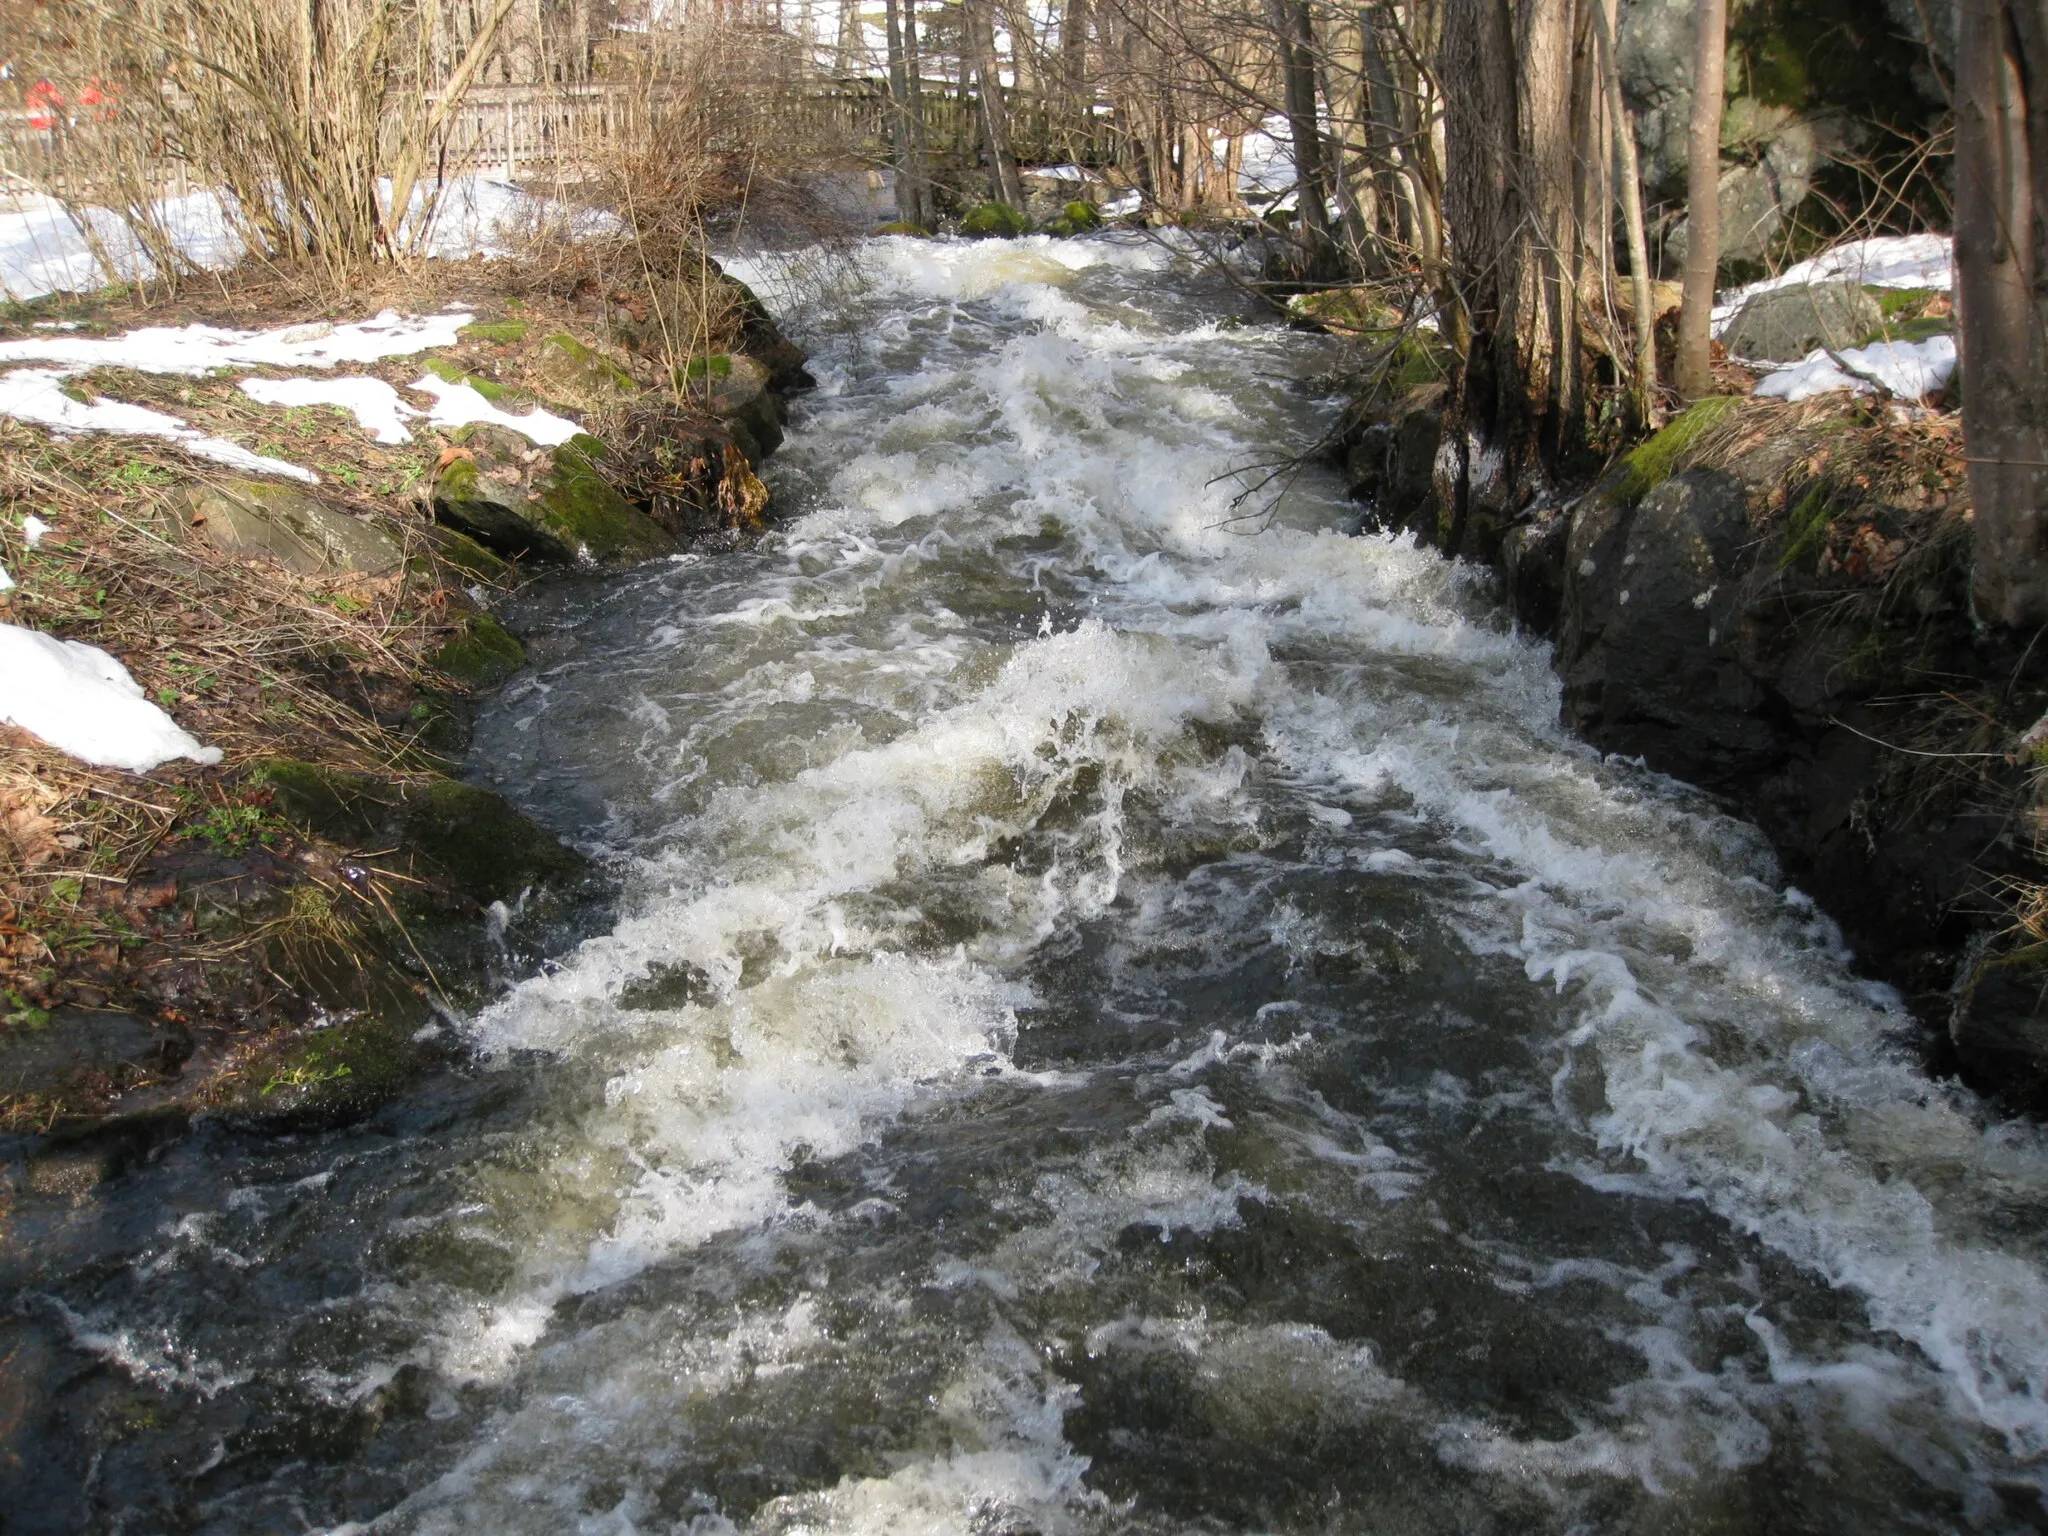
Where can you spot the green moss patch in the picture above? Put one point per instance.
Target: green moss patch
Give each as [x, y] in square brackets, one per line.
[589, 514]
[502, 333]
[994, 221]
[1664, 455]
[482, 654]
[454, 373]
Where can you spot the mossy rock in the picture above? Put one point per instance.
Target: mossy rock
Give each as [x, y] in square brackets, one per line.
[449, 372]
[1082, 214]
[372, 1051]
[401, 927]
[994, 221]
[481, 654]
[1360, 310]
[1663, 455]
[1910, 328]
[580, 374]
[585, 509]
[503, 333]
[565, 512]
[460, 553]
[469, 838]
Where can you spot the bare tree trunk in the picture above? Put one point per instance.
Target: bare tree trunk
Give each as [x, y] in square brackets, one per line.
[2002, 259]
[1292, 32]
[1074, 83]
[920, 157]
[995, 113]
[902, 140]
[1643, 390]
[1703, 203]
[1514, 78]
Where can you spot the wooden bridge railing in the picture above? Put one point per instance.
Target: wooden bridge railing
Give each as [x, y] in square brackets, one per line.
[551, 132]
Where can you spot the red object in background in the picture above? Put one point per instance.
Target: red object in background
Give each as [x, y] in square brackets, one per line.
[44, 105]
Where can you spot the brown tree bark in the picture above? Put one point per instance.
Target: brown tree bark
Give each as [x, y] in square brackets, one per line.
[2002, 270]
[1007, 185]
[1514, 79]
[1293, 32]
[1076, 88]
[1703, 202]
[1643, 387]
[905, 124]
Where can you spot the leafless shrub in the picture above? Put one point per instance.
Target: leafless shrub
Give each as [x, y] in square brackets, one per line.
[306, 128]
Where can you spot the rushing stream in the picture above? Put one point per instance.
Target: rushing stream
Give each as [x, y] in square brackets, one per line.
[1122, 1017]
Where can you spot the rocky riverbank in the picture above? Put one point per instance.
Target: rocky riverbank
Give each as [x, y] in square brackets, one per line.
[1770, 600]
[278, 939]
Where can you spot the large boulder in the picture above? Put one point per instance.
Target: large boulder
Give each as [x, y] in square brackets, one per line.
[738, 390]
[1648, 645]
[547, 505]
[1785, 324]
[266, 519]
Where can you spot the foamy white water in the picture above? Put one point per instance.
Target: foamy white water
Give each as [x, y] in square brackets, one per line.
[1126, 1017]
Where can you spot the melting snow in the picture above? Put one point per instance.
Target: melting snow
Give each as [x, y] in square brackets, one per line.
[458, 405]
[43, 250]
[37, 395]
[1887, 261]
[198, 349]
[82, 701]
[32, 530]
[376, 406]
[1909, 369]
[6, 581]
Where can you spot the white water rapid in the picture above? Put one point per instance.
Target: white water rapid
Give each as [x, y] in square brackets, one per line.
[1123, 1017]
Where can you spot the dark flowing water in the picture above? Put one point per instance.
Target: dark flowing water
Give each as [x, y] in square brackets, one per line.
[1119, 1020]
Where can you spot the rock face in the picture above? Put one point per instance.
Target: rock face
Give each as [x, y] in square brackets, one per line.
[264, 519]
[1764, 631]
[1784, 325]
[537, 504]
[1803, 74]
[1391, 465]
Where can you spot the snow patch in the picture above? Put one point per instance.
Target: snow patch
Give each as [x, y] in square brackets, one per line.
[44, 250]
[32, 530]
[81, 701]
[1909, 369]
[195, 350]
[376, 406]
[1887, 261]
[458, 405]
[36, 395]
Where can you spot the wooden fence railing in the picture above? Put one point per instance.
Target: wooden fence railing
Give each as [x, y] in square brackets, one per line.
[550, 132]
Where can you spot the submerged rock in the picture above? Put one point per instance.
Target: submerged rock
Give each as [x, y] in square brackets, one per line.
[70, 1047]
